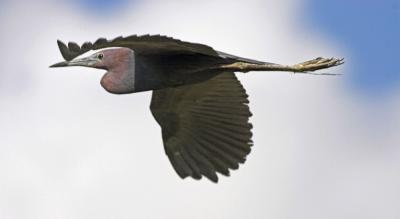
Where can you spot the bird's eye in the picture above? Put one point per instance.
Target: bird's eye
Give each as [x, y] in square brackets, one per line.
[100, 56]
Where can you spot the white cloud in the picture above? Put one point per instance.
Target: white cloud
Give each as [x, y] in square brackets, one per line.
[71, 150]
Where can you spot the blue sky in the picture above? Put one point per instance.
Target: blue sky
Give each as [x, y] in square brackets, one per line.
[103, 7]
[371, 32]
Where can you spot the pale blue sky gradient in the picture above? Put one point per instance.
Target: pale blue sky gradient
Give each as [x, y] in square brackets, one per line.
[370, 30]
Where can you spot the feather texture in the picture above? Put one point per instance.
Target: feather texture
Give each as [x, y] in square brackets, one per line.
[205, 126]
[145, 44]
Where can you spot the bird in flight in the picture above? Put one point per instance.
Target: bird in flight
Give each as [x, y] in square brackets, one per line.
[197, 100]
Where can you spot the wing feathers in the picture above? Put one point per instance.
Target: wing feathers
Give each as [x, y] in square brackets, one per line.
[205, 126]
[152, 44]
[226, 156]
[191, 161]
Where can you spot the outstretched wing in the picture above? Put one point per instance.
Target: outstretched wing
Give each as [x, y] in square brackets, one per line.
[149, 44]
[205, 126]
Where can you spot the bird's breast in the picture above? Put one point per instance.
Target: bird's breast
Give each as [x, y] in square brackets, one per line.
[118, 84]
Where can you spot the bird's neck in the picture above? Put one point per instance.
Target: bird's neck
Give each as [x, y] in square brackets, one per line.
[134, 72]
[120, 79]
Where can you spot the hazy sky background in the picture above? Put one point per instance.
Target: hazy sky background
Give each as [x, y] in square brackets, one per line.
[325, 147]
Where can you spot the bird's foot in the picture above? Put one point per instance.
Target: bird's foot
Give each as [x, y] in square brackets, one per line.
[317, 64]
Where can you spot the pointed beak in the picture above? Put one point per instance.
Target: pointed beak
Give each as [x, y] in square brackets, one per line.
[86, 62]
[60, 64]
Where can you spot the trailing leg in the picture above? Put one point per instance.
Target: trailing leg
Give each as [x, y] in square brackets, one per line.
[304, 67]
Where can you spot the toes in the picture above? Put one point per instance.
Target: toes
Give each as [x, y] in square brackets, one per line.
[329, 62]
[320, 63]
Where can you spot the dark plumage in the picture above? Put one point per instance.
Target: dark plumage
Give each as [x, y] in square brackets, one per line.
[201, 106]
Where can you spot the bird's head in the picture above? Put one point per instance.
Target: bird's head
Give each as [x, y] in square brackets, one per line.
[120, 66]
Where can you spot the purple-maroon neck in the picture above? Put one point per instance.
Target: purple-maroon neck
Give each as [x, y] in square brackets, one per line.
[120, 77]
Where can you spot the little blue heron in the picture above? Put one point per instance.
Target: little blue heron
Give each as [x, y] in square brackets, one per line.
[201, 106]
